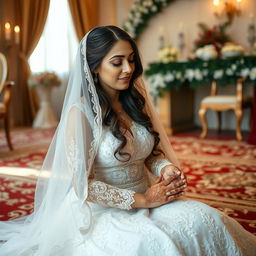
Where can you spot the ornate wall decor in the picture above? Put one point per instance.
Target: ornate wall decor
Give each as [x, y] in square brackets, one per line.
[140, 14]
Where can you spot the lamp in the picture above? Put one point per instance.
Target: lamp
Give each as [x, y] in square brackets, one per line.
[228, 8]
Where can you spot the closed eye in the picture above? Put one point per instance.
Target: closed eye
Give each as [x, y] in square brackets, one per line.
[120, 63]
[117, 64]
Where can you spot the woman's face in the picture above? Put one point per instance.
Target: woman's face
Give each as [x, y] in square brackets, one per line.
[117, 68]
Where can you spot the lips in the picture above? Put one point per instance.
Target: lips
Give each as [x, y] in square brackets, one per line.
[125, 79]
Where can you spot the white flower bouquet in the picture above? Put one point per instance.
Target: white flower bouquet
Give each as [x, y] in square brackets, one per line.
[141, 12]
[44, 79]
[206, 52]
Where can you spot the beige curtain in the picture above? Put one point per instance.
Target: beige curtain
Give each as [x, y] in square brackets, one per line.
[85, 15]
[32, 16]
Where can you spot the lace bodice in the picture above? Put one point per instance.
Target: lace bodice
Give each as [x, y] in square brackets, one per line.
[115, 182]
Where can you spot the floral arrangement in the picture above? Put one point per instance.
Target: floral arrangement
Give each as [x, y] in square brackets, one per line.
[140, 14]
[232, 49]
[44, 79]
[162, 77]
[168, 54]
[206, 52]
[214, 36]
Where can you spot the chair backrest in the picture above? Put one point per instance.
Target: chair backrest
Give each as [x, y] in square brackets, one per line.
[239, 88]
[3, 71]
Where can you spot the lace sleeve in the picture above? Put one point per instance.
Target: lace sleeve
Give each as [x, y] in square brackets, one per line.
[107, 195]
[156, 163]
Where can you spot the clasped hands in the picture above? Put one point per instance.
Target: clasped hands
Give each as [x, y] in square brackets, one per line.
[170, 185]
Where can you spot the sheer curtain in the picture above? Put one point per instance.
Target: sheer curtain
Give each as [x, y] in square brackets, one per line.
[56, 49]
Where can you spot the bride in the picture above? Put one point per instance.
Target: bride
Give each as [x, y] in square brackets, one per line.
[110, 183]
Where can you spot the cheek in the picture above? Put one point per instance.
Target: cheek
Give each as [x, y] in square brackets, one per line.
[109, 74]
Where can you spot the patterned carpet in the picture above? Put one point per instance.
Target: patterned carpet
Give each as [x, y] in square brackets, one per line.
[221, 173]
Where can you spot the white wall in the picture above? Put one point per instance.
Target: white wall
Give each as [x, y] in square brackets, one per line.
[189, 12]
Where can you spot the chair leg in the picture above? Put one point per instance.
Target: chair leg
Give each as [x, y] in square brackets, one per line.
[201, 113]
[7, 133]
[238, 124]
[219, 121]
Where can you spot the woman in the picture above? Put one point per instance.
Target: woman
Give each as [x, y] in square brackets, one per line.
[93, 196]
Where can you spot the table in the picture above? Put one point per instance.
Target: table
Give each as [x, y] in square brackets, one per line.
[164, 77]
[45, 117]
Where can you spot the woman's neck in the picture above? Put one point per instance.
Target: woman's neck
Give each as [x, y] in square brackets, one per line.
[116, 105]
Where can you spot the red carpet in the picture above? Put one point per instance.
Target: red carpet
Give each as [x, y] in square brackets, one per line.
[220, 173]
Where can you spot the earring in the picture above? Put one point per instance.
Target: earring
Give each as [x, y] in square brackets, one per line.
[96, 78]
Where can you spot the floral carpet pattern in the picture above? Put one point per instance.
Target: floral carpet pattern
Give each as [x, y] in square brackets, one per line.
[221, 173]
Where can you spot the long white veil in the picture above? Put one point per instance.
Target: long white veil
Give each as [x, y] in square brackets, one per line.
[61, 217]
[60, 209]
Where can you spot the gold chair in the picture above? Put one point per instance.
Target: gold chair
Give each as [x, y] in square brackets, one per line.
[221, 103]
[5, 98]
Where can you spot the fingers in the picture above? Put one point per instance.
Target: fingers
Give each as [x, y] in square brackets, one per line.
[173, 197]
[169, 180]
[171, 170]
[176, 184]
[176, 190]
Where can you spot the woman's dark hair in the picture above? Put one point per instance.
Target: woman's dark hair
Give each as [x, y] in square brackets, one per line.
[99, 42]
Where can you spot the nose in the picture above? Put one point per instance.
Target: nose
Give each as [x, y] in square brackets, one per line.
[126, 67]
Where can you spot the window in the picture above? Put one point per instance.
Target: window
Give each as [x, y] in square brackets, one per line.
[56, 49]
[57, 46]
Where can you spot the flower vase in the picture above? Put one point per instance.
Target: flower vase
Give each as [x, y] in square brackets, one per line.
[45, 117]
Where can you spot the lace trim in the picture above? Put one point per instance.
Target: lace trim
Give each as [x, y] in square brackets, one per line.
[157, 164]
[107, 195]
[95, 106]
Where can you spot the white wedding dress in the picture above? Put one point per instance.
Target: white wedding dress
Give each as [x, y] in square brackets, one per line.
[182, 227]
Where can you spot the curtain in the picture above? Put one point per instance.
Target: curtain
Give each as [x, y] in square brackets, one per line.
[56, 49]
[85, 15]
[32, 15]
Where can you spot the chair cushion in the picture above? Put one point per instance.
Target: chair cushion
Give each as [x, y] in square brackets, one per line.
[220, 100]
[2, 108]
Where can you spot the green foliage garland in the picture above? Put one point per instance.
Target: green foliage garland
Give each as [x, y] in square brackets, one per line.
[140, 14]
[162, 77]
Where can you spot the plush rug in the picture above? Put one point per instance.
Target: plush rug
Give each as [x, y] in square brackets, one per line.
[221, 173]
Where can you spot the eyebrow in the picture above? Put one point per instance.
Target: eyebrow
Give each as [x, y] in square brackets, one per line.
[120, 56]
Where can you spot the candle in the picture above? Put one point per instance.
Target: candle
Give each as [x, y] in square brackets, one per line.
[252, 17]
[161, 31]
[17, 34]
[7, 31]
[181, 27]
[239, 5]
[161, 37]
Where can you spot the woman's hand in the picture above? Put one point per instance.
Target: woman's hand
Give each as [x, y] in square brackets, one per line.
[164, 191]
[170, 170]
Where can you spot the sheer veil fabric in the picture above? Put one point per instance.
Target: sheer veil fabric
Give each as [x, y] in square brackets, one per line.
[62, 217]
